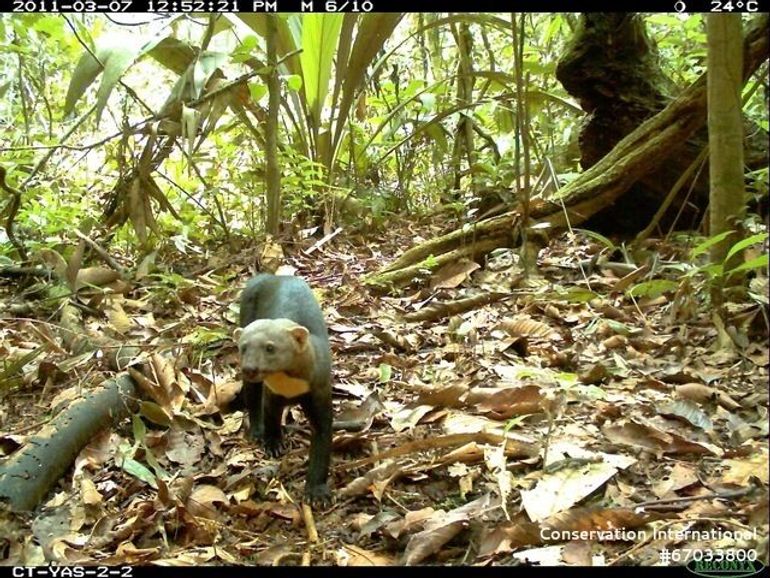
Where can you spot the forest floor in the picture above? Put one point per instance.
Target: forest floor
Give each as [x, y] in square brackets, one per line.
[494, 436]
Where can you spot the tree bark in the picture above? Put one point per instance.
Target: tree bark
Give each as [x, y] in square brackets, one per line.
[34, 470]
[725, 127]
[612, 68]
[273, 174]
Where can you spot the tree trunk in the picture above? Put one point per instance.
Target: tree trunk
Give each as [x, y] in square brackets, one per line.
[273, 175]
[611, 68]
[725, 127]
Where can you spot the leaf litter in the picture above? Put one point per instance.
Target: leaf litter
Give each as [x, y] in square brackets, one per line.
[555, 415]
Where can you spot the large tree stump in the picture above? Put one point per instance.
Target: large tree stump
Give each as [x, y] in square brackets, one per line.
[611, 68]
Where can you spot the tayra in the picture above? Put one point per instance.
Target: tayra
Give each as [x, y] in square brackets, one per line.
[285, 359]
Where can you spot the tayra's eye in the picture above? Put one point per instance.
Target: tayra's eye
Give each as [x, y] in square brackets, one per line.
[270, 348]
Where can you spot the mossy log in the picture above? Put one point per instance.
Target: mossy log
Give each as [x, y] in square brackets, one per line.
[34, 470]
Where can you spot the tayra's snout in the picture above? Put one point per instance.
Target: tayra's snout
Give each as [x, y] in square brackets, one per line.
[252, 374]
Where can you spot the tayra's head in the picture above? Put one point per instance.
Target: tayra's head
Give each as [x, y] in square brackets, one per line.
[269, 346]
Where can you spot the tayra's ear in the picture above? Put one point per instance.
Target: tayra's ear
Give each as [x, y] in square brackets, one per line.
[300, 335]
[237, 333]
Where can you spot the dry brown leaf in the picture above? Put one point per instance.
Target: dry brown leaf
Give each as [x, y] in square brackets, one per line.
[615, 342]
[510, 401]
[558, 491]
[634, 434]
[525, 326]
[429, 541]
[740, 471]
[363, 484]
[453, 274]
[95, 276]
[495, 460]
[204, 500]
[409, 417]
[681, 476]
[271, 256]
[360, 417]
[469, 453]
[89, 493]
[510, 536]
[220, 396]
[410, 521]
[351, 555]
[578, 553]
[441, 528]
[164, 371]
[446, 396]
[184, 448]
[119, 321]
[598, 519]
[702, 393]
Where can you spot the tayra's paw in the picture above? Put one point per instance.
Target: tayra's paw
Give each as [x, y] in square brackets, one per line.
[319, 496]
[274, 447]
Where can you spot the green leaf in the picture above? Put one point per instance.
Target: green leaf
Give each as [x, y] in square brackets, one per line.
[320, 36]
[759, 262]
[86, 71]
[653, 289]
[139, 471]
[191, 118]
[571, 295]
[154, 413]
[249, 43]
[386, 372]
[428, 101]
[208, 62]
[294, 82]
[741, 245]
[116, 60]
[160, 473]
[712, 270]
[590, 392]
[597, 237]
[172, 53]
[139, 429]
[710, 242]
[373, 31]
[257, 90]
[53, 26]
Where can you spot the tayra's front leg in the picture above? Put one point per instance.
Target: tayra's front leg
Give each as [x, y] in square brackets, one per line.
[252, 396]
[319, 412]
[272, 413]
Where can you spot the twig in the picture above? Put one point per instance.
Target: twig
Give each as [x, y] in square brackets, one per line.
[16, 271]
[725, 495]
[307, 516]
[321, 242]
[101, 252]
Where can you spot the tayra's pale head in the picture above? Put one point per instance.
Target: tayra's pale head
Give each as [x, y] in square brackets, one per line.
[270, 346]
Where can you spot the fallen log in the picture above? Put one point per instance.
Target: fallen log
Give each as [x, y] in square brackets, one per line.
[34, 470]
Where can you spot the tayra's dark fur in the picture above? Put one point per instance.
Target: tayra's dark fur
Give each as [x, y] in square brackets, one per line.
[307, 358]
